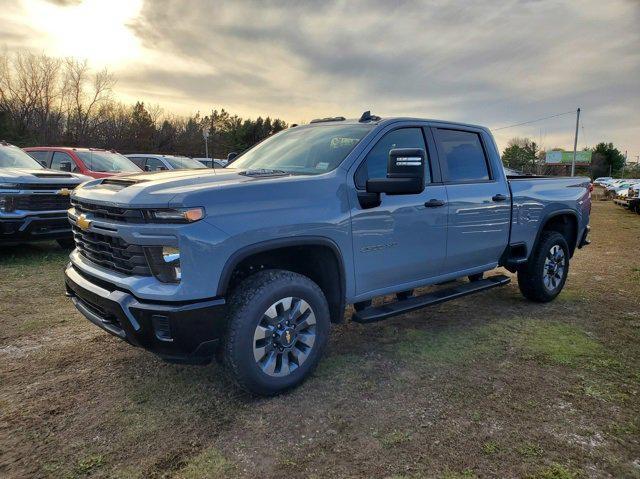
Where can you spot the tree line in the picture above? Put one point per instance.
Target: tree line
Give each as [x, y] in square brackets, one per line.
[61, 101]
[524, 154]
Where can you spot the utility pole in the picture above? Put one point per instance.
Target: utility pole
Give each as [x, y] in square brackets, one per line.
[575, 144]
[205, 135]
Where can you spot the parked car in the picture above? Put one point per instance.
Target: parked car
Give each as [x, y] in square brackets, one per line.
[633, 198]
[622, 193]
[93, 162]
[256, 260]
[33, 200]
[601, 180]
[212, 162]
[151, 162]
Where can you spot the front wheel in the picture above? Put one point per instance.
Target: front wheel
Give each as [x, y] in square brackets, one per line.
[278, 330]
[545, 274]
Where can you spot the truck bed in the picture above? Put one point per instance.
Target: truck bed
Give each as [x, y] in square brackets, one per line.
[537, 198]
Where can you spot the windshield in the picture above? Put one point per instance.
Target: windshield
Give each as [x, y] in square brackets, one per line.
[106, 161]
[305, 150]
[14, 157]
[183, 162]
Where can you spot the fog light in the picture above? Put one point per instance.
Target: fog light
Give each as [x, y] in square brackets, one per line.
[171, 257]
[164, 262]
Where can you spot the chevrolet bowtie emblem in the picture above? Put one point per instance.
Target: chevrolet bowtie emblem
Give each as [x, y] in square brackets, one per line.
[64, 192]
[83, 223]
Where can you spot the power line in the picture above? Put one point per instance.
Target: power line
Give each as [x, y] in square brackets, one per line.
[533, 121]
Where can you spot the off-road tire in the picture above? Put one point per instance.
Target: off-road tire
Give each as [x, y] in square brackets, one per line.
[247, 306]
[531, 275]
[66, 243]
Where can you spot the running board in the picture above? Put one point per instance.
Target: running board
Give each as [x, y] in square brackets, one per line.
[385, 311]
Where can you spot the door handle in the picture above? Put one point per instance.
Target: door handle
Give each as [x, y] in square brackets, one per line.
[433, 203]
[499, 197]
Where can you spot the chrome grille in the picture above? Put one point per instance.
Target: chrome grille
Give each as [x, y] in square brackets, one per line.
[111, 252]
[40, 202]
[111, 213]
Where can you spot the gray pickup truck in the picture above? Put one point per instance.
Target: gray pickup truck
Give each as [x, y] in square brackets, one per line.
[33, 200]
[251, 263]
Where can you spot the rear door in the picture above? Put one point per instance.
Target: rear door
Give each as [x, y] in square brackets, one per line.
[479, 206]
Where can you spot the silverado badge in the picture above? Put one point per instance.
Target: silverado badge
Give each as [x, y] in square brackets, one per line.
[83, 223]
[64, 192]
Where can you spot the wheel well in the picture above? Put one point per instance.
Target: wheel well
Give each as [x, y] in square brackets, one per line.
[317, 262]
[567, 226]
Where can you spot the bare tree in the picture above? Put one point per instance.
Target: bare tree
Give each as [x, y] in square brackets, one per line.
[86, 98]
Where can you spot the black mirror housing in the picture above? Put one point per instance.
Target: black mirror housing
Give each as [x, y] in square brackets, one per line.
[65, 166]
[231, 156]
[405, 173]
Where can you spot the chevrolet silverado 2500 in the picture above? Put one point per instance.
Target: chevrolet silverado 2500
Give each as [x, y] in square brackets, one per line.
[33, 200]
[251, 263]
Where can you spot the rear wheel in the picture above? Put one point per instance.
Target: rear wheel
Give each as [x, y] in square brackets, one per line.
[545, 274]
[278, 330]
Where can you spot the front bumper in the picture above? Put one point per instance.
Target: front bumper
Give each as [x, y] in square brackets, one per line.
[177, 332]
[45, 226]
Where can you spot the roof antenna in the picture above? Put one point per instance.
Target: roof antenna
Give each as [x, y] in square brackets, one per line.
[367, 116]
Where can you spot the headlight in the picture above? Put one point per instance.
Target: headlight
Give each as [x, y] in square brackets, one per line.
[6, 203]
[9, 186]
[175, 215]
[164, 262]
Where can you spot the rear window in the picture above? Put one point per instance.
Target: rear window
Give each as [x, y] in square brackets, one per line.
[463, 154]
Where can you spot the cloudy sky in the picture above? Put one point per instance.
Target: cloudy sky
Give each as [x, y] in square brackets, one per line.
[492, 62]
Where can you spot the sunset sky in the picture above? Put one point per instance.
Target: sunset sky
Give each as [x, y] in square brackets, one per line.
[493, 62]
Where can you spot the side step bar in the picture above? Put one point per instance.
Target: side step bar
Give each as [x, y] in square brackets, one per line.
[378, 313]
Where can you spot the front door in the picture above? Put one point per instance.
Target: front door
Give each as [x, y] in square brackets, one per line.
[401, 241]
[479, 205]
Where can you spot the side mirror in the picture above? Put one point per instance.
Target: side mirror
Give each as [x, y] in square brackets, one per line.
[405, 173]
[231, 156]
[147, 168]
[65, 166]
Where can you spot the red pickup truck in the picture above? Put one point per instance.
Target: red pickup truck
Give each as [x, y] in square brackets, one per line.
[93, 162]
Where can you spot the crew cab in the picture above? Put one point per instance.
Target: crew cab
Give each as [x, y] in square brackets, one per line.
[33, 200]
[93, 162]
[251, 263]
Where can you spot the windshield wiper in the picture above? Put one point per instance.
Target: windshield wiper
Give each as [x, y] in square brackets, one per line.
[264, 172]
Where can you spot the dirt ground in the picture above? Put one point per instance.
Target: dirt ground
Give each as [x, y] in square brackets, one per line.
[487, 386]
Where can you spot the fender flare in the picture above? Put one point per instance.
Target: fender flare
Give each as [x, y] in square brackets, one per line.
[550, 216]
[249, 250]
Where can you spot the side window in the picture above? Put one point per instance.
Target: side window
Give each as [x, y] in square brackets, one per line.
[154, 164]
[40, 156]
[138, 161]
[375, 164]
[462, 155]
[60, 157]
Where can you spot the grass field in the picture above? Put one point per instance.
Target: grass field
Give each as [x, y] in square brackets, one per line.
[487, 386]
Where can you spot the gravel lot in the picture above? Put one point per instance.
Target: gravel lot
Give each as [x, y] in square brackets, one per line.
[487, 386]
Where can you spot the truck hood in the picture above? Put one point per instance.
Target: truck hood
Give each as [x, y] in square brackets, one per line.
[167, 188]
[39, 176]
